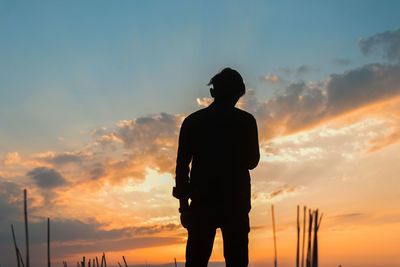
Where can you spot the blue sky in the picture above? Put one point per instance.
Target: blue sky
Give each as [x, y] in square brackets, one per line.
[70, 67]
[327, 104]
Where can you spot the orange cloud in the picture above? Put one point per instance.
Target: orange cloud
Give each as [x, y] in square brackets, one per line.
[380, 143]
[304, 106]
[12, 157]
[272, 78]
[204, 101]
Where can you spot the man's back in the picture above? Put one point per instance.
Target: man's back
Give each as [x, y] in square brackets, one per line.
[223, 145]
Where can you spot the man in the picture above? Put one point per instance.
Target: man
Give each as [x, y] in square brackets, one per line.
[221, 143]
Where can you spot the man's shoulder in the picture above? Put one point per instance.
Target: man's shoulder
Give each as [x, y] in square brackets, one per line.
[205, 113]
[244, 115]
[197, 115]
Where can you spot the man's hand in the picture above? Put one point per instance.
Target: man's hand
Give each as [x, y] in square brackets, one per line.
[186, 217]
[186, 214]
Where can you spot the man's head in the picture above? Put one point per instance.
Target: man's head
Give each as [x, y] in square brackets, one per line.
[227, 86]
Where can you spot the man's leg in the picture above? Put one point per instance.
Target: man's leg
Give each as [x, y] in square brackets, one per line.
[199, 245]
[235, 231]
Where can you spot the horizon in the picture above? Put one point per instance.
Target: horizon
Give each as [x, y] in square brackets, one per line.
[92, 96]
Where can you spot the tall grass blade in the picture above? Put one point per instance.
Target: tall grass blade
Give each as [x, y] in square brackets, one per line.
[315, 247]
[20, 258]
[48, 243]
[26, 229]
[304, 235]
[298, 237]
[15, 245]
[105, 262]
[274, 233]
[310, 223]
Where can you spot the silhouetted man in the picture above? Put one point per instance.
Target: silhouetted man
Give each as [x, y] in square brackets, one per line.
[221, 142]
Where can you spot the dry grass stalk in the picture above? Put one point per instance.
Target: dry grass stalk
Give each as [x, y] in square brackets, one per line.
[123, 257]
[15, 245]
[48, 243]
[20, 258]
[304, 235]
[315, 241]
[26, 228]
[298, 237]
[274, 234]
[310, 222]
[104, 257]
[317, 223]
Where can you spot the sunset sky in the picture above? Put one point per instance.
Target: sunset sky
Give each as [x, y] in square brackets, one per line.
[93, 93]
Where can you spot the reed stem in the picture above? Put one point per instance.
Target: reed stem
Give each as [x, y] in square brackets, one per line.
[274, 233]
[304, 235]
[15, 245]
[298, 237]
[48, 243]
[26, 228]
[310, 223]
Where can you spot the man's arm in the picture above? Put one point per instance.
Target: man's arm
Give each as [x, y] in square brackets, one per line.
[253, 152]
[181, 191]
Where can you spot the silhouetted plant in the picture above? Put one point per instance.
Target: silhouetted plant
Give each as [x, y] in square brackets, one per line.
[304, 235]
[274, 234]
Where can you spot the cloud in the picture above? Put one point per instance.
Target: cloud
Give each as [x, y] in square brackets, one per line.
[347, 216]
[76, 230]
[73, 230]
[265, 191]
[284, 191]
[305, 69]
[338, 221]
[284, 70]
[271, 78]
[149, 133]
[341, 61]
[147, 142]
[10, 200]
[63, 158]
[46, 177]
[295, 108]
[382, 142]
[302, 105]
[204, 101]
[117, 245]
[301, 70]
[12, 157]
[388, 43]
[366, 85]
[75, 236]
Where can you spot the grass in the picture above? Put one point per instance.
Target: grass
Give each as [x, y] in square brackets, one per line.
[311, 260]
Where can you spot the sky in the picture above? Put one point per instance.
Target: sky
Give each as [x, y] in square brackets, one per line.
[93, 93]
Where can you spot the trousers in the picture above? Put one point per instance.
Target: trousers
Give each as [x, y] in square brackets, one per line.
[235, 228]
